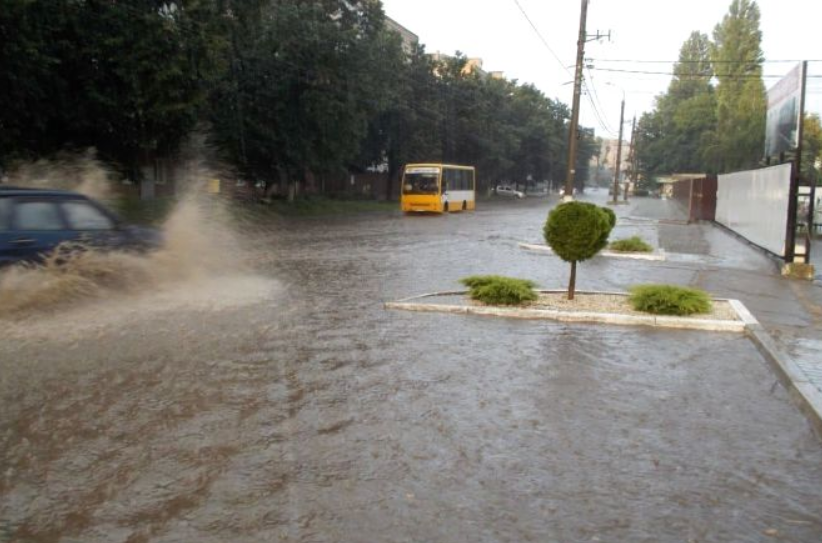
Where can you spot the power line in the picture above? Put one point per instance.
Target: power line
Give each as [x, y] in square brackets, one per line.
[597, 116]
[592, 92]
[699, 76]
[639, 61]
[542, 39]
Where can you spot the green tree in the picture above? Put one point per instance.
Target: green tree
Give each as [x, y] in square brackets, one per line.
[307, 78]
[678, 134]
[128, 78]
[577, 231]
[812, 149]
[741, 99]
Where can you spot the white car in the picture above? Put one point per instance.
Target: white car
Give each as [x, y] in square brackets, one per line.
[505, 190]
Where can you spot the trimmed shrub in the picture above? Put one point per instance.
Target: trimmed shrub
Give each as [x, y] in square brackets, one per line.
[612, 218]
[577, 231]
[634, 244]
[669, 300]
[499, 290]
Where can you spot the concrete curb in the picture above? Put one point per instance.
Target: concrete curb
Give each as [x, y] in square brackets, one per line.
[658, 256]
[802, 392]
[411, 304]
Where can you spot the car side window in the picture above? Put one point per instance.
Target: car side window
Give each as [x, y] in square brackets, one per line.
[84, 216]
[37, 216]
[5, 213]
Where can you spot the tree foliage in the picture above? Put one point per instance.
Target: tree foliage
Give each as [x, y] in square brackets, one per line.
[577, 231]
[698, 127]
[741, 98]
[128, 78]
[285, 89]
[812, 149]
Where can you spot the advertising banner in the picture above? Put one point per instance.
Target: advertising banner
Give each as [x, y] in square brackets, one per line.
[784, 105]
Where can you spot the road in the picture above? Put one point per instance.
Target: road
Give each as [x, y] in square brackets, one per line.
[284, 403]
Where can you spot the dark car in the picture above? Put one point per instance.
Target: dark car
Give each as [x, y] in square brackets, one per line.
[35, 221]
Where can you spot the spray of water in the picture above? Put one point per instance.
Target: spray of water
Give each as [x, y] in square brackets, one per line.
[200, 248]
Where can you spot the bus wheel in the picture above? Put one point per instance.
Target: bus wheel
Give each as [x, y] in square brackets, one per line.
[445, 207]
[464, 205]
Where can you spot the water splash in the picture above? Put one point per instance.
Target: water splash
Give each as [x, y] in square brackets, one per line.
[200, 245]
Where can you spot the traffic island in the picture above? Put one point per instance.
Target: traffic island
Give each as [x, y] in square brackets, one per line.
[656, 256]
[588, 306]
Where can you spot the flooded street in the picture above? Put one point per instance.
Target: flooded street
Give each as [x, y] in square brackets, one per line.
[284, 403]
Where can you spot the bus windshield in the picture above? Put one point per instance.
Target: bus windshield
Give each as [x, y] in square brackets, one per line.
[421, 182]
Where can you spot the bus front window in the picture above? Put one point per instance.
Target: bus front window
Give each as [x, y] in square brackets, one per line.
[420, 183]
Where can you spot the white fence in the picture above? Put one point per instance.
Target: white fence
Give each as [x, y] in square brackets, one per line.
[755, 205]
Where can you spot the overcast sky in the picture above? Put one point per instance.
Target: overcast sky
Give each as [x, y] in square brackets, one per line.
[641, 30]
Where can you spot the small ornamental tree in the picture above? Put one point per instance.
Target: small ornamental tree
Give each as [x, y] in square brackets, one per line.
[577, 231]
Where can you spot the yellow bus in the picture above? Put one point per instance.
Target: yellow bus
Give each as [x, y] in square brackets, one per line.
[438, 188]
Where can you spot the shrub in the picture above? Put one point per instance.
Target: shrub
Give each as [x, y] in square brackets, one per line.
[499, 290]
[669, 300]
[612, 218]
[577, 231]
[634, 244]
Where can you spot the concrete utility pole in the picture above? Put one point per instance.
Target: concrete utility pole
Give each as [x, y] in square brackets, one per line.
[572, 132]
[619, 152]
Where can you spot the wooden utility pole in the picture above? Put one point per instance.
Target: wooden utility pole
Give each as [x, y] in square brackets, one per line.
[572, 131]
[619, 152]
[631, 159]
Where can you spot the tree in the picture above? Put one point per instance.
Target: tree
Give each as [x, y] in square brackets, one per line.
[128, 78]
[577, 231]
[308, 77]
[677, 136]
[741, 99]
[812, 149]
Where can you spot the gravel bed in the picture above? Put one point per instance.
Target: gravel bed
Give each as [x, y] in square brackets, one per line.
[616, 303]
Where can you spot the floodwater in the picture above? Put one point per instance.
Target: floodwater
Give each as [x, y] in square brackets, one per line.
[284, 403]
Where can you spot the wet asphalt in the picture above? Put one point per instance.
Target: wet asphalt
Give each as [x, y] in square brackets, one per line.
[291, 406]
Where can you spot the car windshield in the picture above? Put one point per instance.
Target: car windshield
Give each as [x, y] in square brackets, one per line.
[421, 183]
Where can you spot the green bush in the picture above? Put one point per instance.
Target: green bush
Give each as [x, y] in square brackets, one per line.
[499, 290]
[634, 244]
[669, 300]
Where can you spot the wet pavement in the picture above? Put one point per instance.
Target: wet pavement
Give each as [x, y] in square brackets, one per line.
[285, 404]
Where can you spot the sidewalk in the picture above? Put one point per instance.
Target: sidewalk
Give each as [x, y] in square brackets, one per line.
[790, 311]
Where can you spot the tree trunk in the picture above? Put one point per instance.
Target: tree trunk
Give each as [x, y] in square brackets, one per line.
[572, 285]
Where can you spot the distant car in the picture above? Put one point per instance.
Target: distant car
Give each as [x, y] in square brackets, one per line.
[562, 191]
[505, 190]
[35, 221]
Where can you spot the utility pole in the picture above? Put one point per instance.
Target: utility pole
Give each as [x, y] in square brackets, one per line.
[631, 159]
[619, 152]
[572, 131]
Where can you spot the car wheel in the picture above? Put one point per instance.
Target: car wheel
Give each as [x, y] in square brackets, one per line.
[445, 207]
[464, 205]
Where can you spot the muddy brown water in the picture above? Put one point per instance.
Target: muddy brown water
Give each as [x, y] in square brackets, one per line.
[285, 404]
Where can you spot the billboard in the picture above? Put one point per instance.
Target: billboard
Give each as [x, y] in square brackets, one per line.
[784, 113]
[754, 204]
